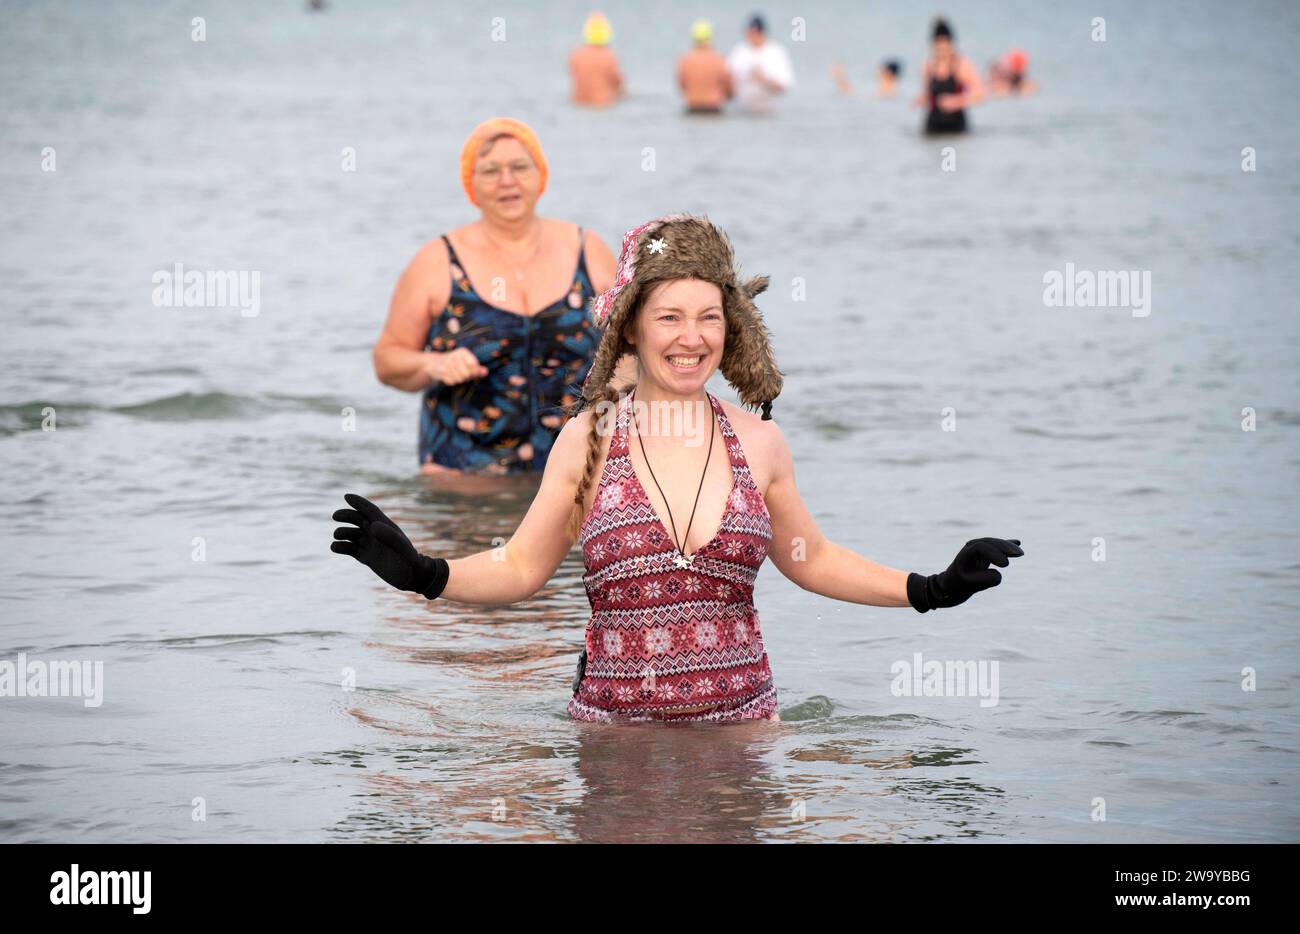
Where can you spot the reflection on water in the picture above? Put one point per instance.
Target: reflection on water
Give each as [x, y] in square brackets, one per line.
[651, 783]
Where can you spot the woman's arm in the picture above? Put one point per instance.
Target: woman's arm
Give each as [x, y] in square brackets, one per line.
[519, 568]
[805, 556]
[399, 356]
[972, 88]
[508, 574]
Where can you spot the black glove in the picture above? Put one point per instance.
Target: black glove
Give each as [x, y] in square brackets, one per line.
[380, 545]
[968, 574]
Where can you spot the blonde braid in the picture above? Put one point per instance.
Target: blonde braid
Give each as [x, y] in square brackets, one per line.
[598, 389]
[608, 394]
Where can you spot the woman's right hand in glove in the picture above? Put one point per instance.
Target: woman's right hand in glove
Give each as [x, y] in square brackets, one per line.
[376, 541]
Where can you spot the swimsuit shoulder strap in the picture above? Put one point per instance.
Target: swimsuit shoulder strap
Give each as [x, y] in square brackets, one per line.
[452, 259]
[460, 286]
[735, 455]
[582, 254]
[451, 251]
[620, 421]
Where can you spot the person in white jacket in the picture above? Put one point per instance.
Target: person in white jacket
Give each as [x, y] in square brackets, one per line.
[760, 69]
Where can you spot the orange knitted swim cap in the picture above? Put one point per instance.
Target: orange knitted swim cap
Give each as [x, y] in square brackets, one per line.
[489, 128]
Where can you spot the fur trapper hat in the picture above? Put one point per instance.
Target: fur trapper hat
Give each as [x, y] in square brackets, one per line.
[685, 246]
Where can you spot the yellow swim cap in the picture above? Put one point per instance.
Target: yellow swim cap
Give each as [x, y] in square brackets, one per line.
[701, 30]
[596, 30]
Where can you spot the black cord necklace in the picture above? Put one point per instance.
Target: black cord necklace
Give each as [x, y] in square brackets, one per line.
[681, 559]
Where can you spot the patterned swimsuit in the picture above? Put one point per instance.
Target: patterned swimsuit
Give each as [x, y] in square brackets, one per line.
[663, 639]
[507, 421]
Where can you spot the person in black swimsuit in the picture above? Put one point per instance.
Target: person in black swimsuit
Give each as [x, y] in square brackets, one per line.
[950, 84]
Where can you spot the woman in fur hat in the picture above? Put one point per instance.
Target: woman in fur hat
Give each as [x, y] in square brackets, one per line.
[674, 524]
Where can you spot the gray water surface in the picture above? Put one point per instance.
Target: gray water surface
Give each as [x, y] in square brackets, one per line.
[1119, 680]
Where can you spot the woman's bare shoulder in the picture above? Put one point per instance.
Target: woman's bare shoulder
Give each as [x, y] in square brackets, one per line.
[559, 231]
[464, 230]
[568, 229]
[577, 426]
[555, 230]
[433, 256]
[752, 421]
[601, 263]
[424, 286]
[574, 441]
[761, 439]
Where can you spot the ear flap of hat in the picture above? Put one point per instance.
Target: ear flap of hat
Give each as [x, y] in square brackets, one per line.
[696, 249]
[748, 362]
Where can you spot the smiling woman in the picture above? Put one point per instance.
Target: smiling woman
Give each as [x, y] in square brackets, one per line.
[674, 633]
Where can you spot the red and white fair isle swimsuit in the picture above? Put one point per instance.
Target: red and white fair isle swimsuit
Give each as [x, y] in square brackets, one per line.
[664, 639]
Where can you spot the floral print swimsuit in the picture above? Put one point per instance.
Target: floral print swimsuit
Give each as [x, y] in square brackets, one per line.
[507, 421]
[667, 642]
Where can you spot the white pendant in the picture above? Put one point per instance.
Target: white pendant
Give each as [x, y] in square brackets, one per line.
[683, 561]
